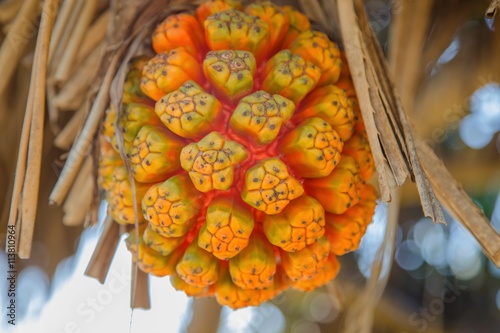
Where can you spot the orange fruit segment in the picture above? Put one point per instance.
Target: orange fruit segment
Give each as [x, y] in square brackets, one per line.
[301, 223]
[230, 73]
[312, 149]
[197, 267]
[179, 30]
[260, 116]
[340, 190]
[210, 162]
[171, 207]
[227, 228]
[189, 111]
[315, 47]
[154, 154]
[269, 187]
[332, 105]
[235, 30]
[290, 75]
[167, 71]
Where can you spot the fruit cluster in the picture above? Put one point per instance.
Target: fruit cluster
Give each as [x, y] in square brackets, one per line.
[247, 153]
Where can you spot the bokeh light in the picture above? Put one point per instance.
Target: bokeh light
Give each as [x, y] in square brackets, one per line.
[236, 321]
[450, 249]
[448, 54]
[321, 307]
[431, 239]
[408, 255]
[473, 133]
[372, 240]
[463, 253]
[479, 127]
[264, 318]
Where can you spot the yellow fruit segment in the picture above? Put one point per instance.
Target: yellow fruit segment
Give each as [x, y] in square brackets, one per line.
[235, 30]
[109, 159]
[230, 73]
[121, 199]
[314, 46]
[259, 116]
[227, 228]
[312, 149]
[167, 71]
[290, 76]
[344, 231]
[303, 265]
[108, 124]
[162, 245]
[197, 267]
[171, 207]
[180, 30]
[132, 92]
[150, 261]
[269, 187]
[300, 224]
[254, 267]
[275, 17]
[133, 117]
[189, 112]
[132, 96]
[340, 190]
[330, 103]
[298, 23]
[211, 161]
[155, 154]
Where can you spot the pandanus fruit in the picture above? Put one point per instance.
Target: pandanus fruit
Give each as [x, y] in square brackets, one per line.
[248, 157]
